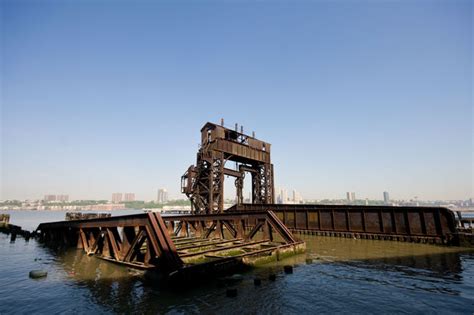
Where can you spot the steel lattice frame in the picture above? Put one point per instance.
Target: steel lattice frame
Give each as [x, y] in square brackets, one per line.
[204, 182]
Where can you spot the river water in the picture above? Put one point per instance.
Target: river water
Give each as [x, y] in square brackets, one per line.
[345, 276]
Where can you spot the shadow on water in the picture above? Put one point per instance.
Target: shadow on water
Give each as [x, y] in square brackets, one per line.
[335, 268]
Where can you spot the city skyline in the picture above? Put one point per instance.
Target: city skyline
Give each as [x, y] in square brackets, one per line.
[281, 195]
[350, 98]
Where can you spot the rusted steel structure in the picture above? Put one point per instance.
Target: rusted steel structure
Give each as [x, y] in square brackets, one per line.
[185, 244]
[416, 224]
[203, 183]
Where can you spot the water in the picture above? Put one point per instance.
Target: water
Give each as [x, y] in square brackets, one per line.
[346, 276]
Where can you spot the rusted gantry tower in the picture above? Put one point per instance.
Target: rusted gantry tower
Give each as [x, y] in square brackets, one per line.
[203, 183]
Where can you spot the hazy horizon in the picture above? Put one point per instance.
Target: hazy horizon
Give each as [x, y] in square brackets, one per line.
[360, 96]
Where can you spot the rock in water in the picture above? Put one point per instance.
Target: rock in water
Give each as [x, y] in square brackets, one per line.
[36, 274]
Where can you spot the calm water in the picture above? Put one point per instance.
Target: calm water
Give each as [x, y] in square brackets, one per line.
[346, 276]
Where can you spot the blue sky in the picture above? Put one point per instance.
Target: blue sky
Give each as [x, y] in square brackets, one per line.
[364, 96]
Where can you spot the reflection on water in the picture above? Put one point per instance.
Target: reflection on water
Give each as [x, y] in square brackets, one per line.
[402, 256]
[335, 275]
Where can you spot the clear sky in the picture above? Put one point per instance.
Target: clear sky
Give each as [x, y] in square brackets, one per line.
[363, 96]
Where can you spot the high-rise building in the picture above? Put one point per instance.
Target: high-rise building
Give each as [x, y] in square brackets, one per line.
[162, 195]
[297, 197]
[62, 198]
[50, 198]
[283, 196]
[351, 196]
[279, 197]
[117, 197]
[386, 198]
[129, 197]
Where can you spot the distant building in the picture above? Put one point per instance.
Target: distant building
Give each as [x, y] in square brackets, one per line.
[283, 196]
[350, 196]
[62, 198]
[297, 197]
[129, 197]
[117, 197]
[49, 198]
[386, 198]
[162, 195]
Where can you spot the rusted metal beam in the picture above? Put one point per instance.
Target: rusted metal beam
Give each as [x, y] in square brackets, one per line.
[114, 243]
[137, 242]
